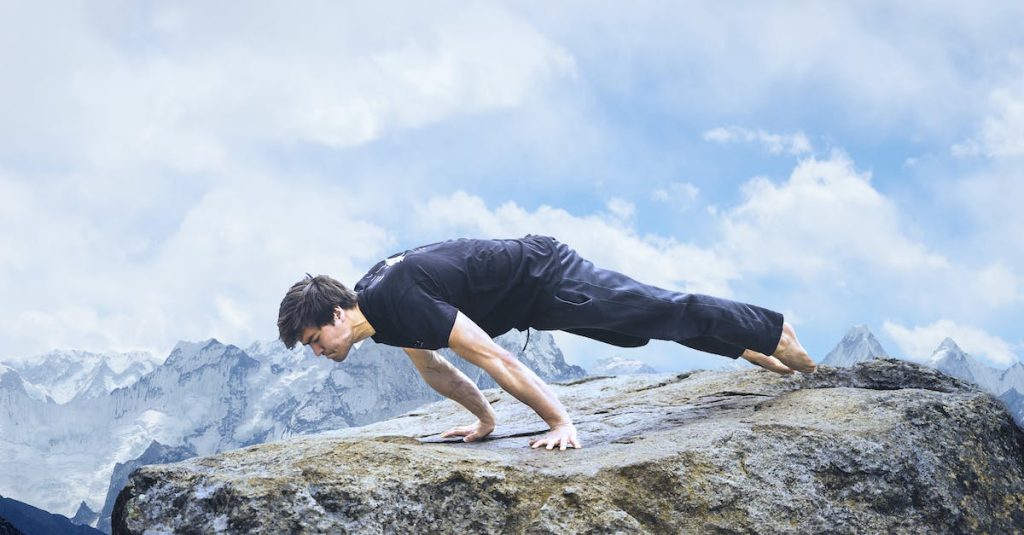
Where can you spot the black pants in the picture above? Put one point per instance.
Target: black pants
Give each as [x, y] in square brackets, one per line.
[615, 309]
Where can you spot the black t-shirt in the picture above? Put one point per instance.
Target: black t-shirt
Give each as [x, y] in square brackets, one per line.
[411, 298]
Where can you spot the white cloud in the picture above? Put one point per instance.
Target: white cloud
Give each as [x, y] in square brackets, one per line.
[188, 85]
[794, 144]
[622, 210]
[221, 272]
[920, 342]
[1001, 133]
[824, 220]
[997, 285]
[870, 62]
[988, 205]
[141, 195]
[681, 195]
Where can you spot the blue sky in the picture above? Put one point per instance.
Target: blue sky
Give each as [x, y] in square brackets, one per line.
[167, 171]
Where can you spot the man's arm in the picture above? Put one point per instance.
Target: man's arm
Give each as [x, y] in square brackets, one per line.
[470, 342]
[451, 383]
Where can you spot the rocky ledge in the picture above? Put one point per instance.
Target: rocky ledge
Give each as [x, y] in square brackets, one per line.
[882, 447]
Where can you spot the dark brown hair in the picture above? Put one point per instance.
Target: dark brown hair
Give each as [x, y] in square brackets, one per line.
[310, 303]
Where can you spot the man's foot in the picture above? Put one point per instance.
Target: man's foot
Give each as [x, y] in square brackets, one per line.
[791, 353]
[766, 362]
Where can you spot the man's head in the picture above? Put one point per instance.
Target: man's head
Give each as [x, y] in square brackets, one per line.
[313, 312]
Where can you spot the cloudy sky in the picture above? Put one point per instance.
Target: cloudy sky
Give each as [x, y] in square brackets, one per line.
[167, 171]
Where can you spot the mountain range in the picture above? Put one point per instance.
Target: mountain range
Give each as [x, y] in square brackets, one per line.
[860, 345]
[64, 443]
[74, 424]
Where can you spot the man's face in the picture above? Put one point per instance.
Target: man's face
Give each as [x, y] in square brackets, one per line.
[333, 340]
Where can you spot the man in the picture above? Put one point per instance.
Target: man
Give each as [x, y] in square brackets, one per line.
[462, 293]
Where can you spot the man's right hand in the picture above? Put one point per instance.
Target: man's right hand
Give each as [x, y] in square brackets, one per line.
[470, 433]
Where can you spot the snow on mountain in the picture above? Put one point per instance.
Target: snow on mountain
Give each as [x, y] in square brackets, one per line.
[1012, 377]
[859, 345]
[949, 358]
[209, 397]
[64, 374]
[54, 456]
[1014, 401]
[617, 365]
[10, 378]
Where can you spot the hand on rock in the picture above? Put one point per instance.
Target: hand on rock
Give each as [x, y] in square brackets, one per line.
[561, 435]
[470, 433]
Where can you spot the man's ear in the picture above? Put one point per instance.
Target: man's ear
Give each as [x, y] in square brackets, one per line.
[338, 313]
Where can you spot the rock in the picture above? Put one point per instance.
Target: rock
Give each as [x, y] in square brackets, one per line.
[156, 453]
[6, 528]
[885, 446]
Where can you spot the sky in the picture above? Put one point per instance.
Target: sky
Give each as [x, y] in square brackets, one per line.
[168, 170]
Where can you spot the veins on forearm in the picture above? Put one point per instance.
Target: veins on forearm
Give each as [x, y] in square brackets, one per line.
[520, 381]
[458, 387]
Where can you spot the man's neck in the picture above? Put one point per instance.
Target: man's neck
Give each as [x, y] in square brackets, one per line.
[361, 328]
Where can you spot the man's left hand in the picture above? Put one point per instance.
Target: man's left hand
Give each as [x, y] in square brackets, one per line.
[561, 435]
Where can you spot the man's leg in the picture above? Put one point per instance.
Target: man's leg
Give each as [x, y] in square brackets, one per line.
[718, 347]
[587, 297]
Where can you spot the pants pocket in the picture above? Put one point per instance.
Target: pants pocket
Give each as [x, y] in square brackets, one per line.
[572, 297]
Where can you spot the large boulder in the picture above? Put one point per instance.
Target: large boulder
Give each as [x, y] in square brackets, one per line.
[886, 446]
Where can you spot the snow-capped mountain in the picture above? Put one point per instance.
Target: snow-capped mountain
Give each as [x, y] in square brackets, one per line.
[209, 397]
[617, 365]
[64, 374]
[12, 380]
[859, 345]
[1014, 401]
[1012, 377]
[950, 359]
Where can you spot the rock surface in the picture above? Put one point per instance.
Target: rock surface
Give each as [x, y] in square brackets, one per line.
[886, 446]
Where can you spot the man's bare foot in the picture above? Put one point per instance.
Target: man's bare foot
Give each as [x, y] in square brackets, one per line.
[766, 362]
[791, 353]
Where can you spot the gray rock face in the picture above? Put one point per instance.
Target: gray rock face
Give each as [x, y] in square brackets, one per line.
[883, 447]
[85, 516]
[7, 529]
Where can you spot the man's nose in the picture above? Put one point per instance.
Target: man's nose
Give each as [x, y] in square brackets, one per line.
[317, 349]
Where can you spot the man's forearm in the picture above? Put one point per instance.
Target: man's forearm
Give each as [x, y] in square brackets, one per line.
[520, 381]
[451, 383]
[473, 344]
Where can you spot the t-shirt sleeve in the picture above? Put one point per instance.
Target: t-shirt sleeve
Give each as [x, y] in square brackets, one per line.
[425, 318]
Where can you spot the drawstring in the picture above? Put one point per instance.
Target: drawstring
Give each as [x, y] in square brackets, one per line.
[523, 351]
